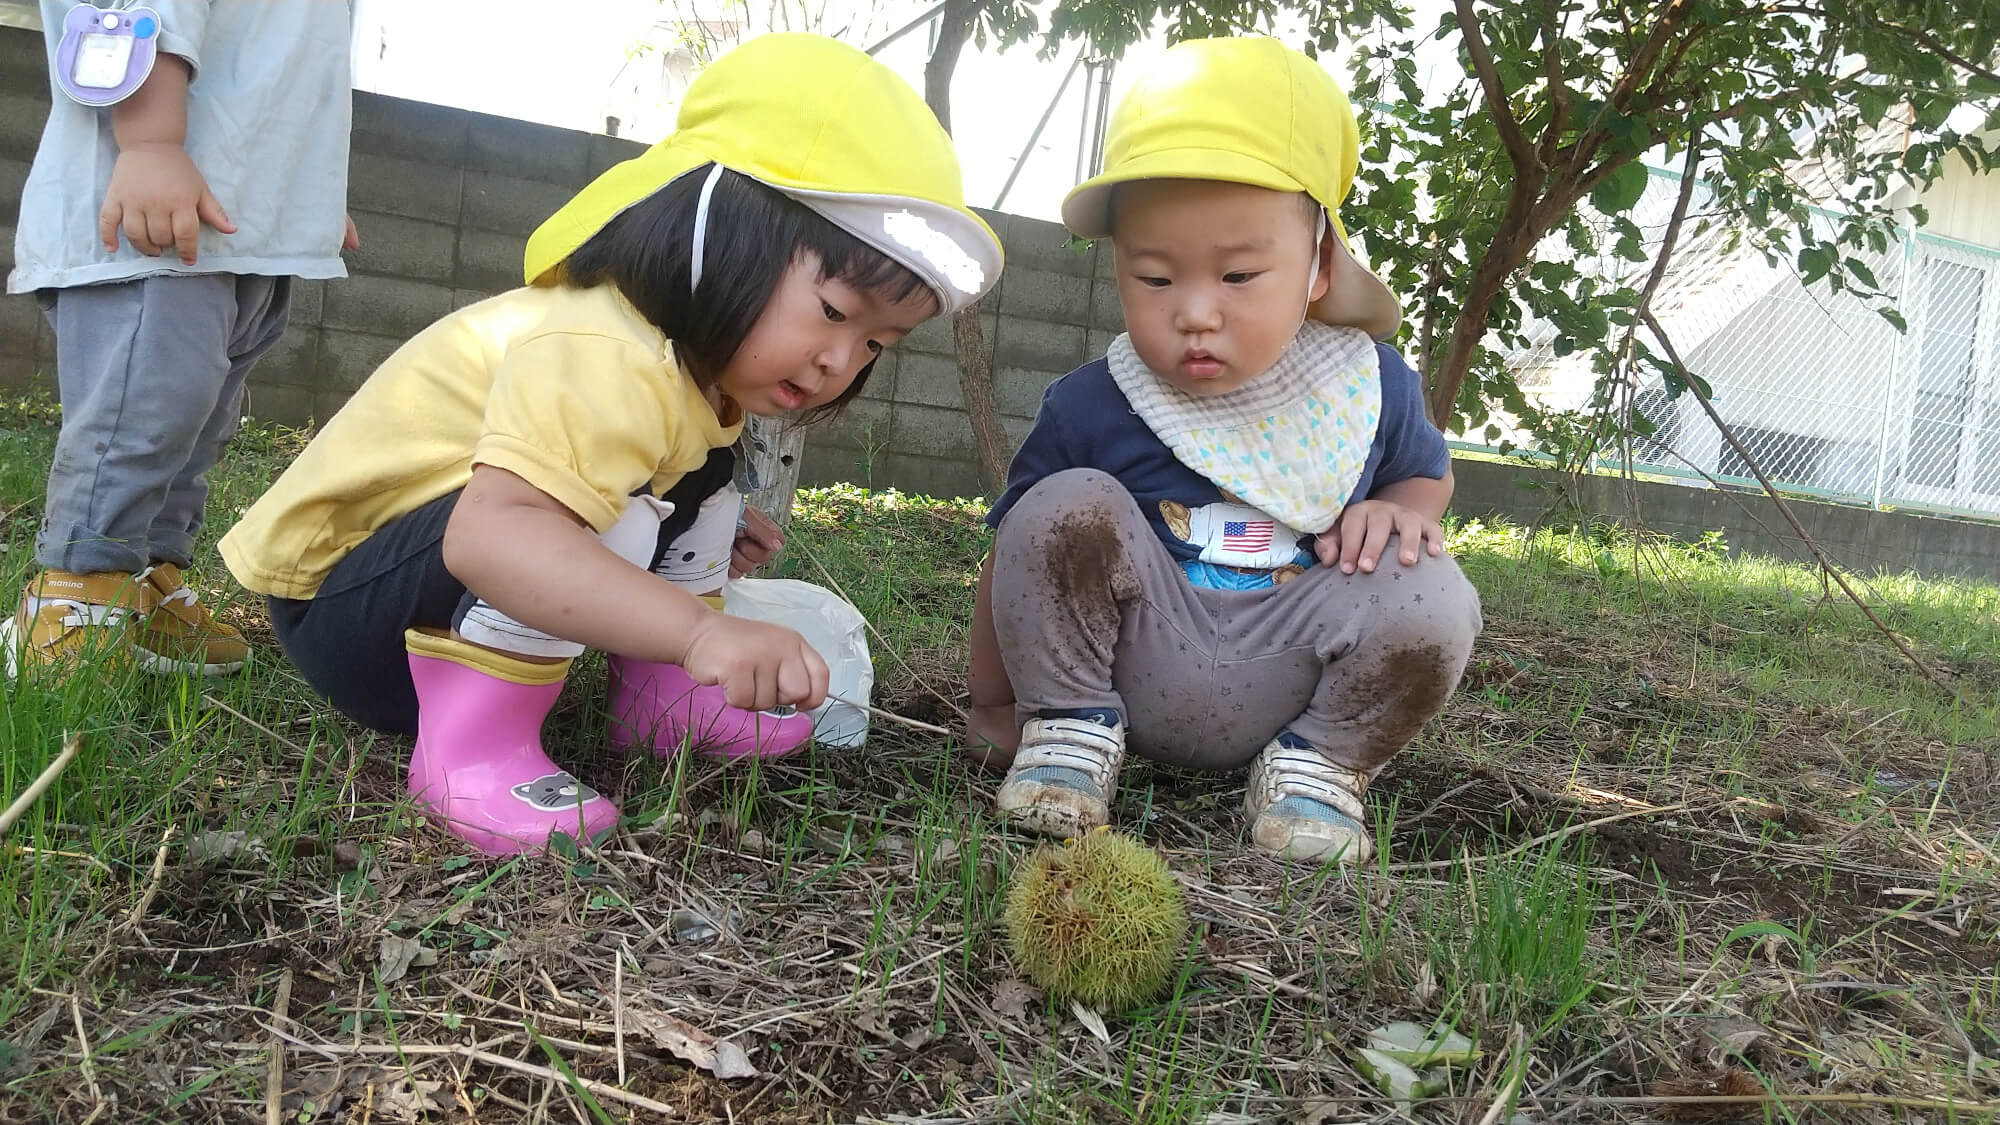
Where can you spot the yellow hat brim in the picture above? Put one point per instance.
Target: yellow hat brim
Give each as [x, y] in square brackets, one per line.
[1086, 210]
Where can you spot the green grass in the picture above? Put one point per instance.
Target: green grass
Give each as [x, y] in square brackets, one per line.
[1687, 820]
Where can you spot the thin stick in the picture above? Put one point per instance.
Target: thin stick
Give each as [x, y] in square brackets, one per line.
[890, 716]
[1513, 1083]
[226, 708]
[274, 1078]
[1785, 509]
[89, 1068]
[835, 583]
[159, 870]
[40, 785]
[618, 1007]
[93, 861]
[473, 1054]
[1441, 864]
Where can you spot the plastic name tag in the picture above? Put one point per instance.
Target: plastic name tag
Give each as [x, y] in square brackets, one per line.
[106, 53]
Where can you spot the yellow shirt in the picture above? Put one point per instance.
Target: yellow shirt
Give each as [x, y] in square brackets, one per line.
[570, 389]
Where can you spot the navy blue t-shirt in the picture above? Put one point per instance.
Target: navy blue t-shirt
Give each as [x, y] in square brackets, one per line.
[1085, 422]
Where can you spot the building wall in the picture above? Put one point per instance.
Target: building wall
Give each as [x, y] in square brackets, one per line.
[1965, 205]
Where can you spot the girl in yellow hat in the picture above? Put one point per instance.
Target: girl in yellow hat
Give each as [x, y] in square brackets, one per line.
[550, 469]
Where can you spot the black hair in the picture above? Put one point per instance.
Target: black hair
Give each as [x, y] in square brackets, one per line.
[754, 235]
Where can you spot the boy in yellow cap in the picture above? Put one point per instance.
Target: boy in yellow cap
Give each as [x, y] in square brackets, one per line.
[1186, 557]
[549, 469]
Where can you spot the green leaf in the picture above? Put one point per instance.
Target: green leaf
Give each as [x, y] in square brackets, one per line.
[1619, 191]
[1895, 318]
[1770, 929]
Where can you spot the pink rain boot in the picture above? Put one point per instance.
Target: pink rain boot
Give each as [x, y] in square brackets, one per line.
[479, 765]
[661, 705]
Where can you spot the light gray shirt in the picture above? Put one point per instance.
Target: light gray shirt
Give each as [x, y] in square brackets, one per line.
[269, 109]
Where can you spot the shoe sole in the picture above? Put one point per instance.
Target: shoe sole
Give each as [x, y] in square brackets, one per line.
[1049, 810]
[1283, 842]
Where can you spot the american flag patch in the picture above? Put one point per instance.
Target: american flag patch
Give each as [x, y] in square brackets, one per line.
[1247, 536]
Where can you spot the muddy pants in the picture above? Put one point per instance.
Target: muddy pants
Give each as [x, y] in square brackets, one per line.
[1092, 612]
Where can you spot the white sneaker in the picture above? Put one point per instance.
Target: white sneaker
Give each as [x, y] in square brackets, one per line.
[1303, 806]
[1063, 776]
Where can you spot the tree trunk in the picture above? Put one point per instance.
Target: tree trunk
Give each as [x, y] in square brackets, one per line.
[975, 364]
[767, 468]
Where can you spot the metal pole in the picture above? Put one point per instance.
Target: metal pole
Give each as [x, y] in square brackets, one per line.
[1895, 361]
[909, 27]
[1022, 160]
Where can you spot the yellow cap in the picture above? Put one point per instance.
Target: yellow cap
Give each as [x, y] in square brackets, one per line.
[826, 125]
[1246, 111]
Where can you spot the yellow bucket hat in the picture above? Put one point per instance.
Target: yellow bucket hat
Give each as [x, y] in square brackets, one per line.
[826, 125]
[1247, 111]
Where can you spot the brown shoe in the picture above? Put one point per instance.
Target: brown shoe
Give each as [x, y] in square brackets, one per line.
[82, 619]
[178, 633]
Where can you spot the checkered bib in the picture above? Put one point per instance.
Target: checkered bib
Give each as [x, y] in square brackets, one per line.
[1291, 442]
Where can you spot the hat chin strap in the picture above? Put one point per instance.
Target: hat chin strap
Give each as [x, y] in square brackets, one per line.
[701, 228]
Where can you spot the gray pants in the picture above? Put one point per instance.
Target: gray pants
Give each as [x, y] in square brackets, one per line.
[151, 375]
[1092, 612]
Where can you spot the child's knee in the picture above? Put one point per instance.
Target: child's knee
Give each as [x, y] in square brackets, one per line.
[1062, 495]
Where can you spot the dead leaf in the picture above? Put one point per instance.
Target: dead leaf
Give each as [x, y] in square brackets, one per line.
[216, 847]
[1012, 996]
[399, 953]
[1731, 1037]
[720, 1057]
[1091, 1020]
[408, 1100]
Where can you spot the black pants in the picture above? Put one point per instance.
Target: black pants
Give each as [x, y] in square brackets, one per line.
[347, 639]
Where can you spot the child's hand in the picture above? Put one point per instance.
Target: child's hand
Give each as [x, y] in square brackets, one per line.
[160, 198]
[350, 239]
[1363, 530]
[756, 544]
[759, 666]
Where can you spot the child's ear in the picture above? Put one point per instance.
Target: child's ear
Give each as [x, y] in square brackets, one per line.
[1329, 246]
[1354, 297]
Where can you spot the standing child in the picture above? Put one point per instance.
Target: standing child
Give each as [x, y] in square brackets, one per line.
[1186, 560]
[549, 469]
[161, 235]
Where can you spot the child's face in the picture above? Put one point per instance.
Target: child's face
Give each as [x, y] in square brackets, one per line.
[812, 339]
[1214, 277]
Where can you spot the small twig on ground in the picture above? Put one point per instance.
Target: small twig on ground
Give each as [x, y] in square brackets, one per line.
[96, 864]
[153, 878]
[476, 1054]
[274, 1079]
[1785, 509]
[1546, 837]
[88, 1066]
[37, 787]
[890, 716]
[1505, 1097]
[227, 709]
[921, 682]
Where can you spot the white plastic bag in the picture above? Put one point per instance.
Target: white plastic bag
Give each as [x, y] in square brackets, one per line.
[835, 630]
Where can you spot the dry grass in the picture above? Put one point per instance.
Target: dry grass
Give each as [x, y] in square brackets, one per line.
[1711, 844]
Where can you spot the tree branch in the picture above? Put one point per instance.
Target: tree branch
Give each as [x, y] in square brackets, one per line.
[1944, 52]
[1560, 98]
[1518, 148]
[1785, 509]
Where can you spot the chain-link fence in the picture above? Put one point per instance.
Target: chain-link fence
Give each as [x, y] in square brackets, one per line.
[1823, 392]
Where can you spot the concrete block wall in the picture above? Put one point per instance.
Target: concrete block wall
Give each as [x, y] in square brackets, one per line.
[444, 200]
